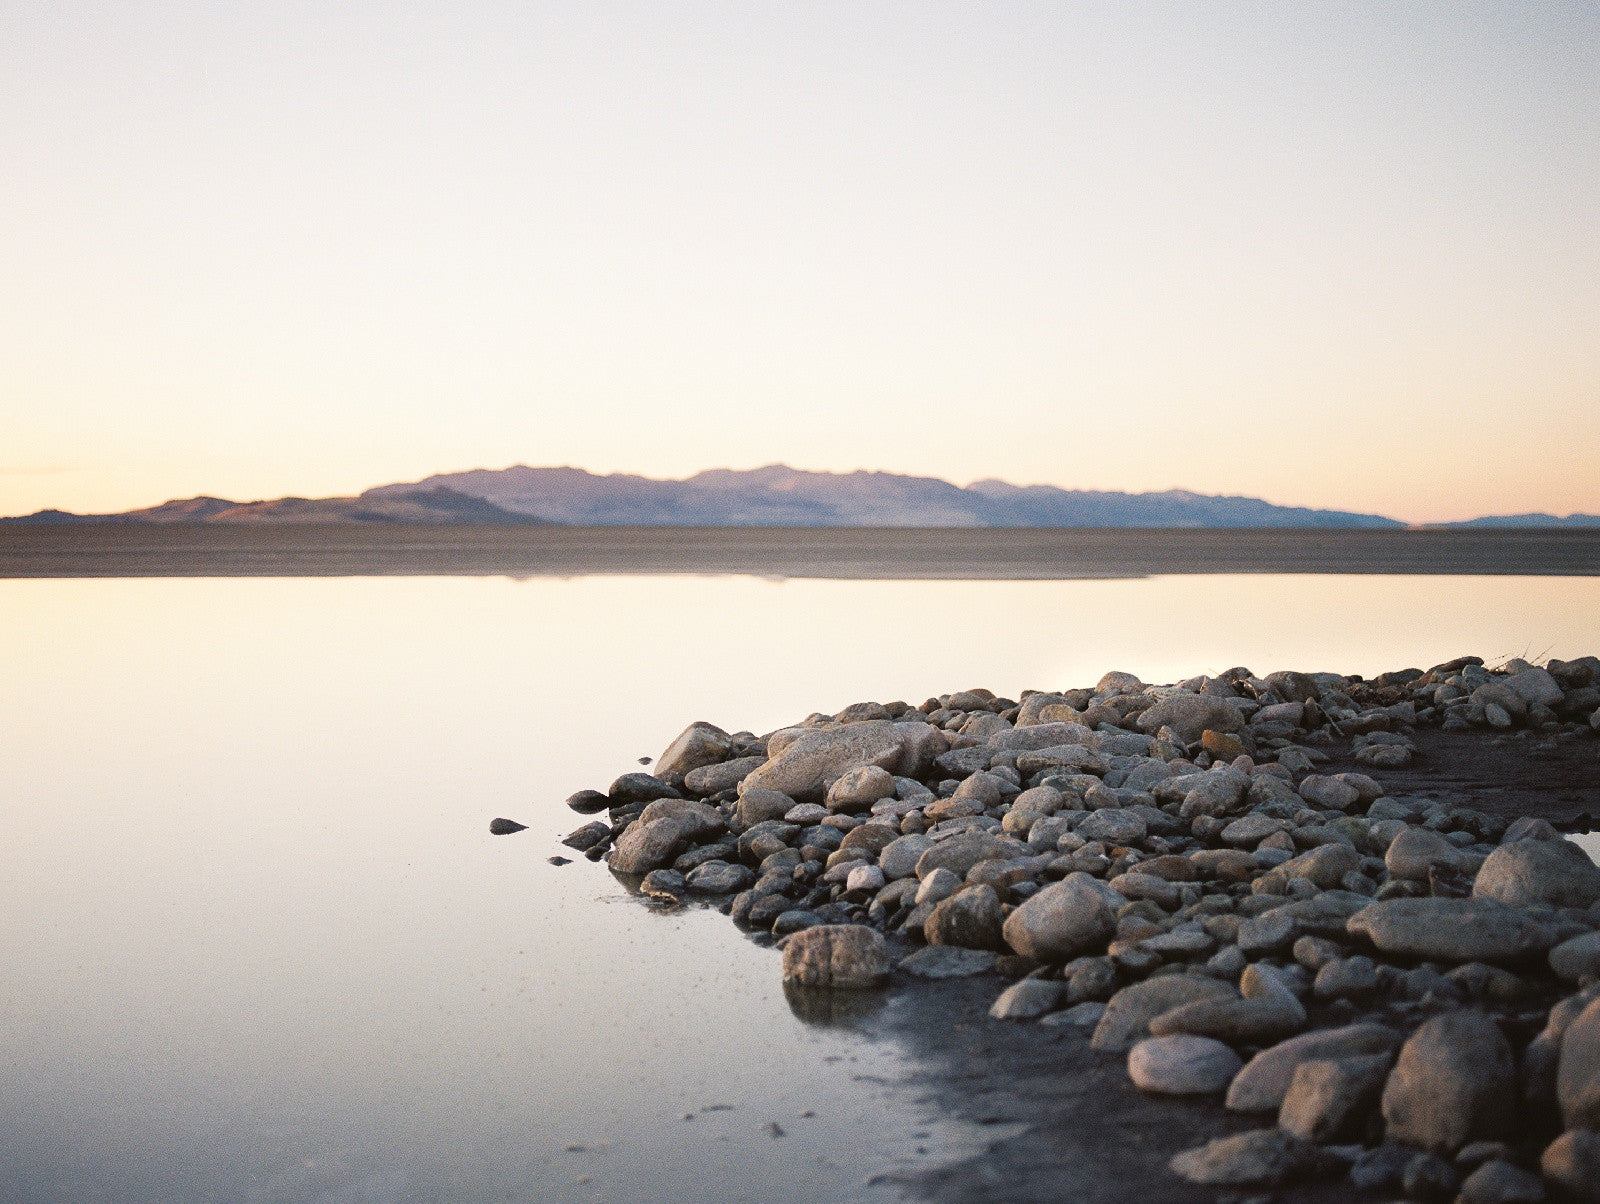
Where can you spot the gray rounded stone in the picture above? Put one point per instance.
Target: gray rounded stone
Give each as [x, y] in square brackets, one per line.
[1454, 1082]
[1456, 930]
[1182, 1065]
[1062, 920]
[1547, 873]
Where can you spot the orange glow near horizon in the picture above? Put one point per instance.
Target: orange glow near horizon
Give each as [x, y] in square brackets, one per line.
[1339, 257]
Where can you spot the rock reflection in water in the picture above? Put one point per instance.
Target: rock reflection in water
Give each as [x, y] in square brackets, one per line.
[825, 1008]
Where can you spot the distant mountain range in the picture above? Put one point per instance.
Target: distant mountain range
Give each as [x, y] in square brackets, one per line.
[774, 496]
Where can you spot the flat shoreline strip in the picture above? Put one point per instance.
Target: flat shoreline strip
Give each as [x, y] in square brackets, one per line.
[903, 553]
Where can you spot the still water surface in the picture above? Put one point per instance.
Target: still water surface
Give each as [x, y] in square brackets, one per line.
[257, 943]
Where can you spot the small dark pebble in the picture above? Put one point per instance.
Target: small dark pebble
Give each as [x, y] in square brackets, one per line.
[559, 860]
[774, 1128]
[645, 760]
[587, 802]
[504, 827]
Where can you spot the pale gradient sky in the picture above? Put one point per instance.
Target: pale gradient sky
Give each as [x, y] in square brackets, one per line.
[1329, 254]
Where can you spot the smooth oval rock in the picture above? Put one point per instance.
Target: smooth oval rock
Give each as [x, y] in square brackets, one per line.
[1539, 873]
[1061, 921]
[1456, 930]
[1182, 1065]
[1028, 999]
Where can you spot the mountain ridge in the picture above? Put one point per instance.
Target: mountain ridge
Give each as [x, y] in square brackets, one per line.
[767, 496]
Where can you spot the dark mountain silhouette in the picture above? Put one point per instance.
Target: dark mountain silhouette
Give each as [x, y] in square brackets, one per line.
[773, 496]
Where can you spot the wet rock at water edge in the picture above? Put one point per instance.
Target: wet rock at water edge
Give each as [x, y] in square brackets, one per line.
[948, 961]
[664, 886]
[588, 802]
[1258, 1158]
[1129, 1012]
[836, 956]
[1182, 1065]
[1187, 871]
[1028, 999]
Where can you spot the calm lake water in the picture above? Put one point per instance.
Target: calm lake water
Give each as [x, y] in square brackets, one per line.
[258, 944]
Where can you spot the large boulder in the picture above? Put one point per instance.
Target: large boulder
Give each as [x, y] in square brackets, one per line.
[1064, 919]
[838, 956]
[1454, 1082]
[1454, 930]
[1536, 686]
[697, 745]
[1190, 715]
[811, 762]
[1578, 1074]
[1539, 873]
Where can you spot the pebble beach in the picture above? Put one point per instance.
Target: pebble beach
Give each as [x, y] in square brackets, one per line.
[1279, 894]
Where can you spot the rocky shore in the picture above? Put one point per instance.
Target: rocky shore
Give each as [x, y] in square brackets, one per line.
[1279, 893]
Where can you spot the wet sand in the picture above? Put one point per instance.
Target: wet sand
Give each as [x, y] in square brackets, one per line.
[215, 550]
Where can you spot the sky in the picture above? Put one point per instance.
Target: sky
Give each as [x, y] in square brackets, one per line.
[1332, 254]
